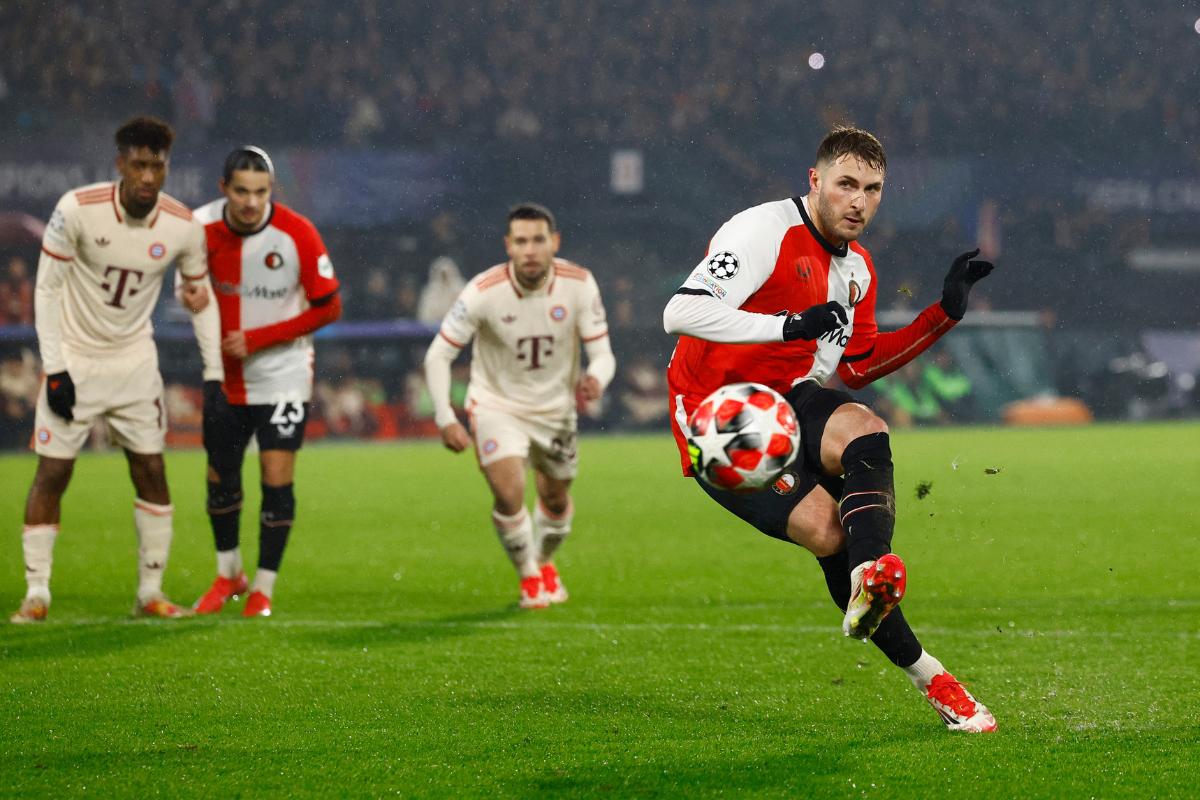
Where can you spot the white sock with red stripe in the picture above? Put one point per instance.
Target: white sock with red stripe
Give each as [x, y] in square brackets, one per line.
[551, 529]
[153, 522]
[516, 535]
[922, 671]
[38, 544]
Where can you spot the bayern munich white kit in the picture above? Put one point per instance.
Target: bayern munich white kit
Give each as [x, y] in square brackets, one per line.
[98, 280]
[526, 361]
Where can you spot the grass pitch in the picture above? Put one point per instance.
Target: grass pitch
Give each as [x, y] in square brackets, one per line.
[696, 657]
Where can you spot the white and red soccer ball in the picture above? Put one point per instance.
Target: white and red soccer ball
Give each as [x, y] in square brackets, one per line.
[742, 436]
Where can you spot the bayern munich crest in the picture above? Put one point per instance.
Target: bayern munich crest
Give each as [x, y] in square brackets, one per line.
[558, 313]
[158, 250]
[723, 265]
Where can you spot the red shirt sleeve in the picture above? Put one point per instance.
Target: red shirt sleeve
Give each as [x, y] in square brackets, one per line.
[316, 270]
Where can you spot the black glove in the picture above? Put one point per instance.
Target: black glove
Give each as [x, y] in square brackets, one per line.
[60, 394]
[814, 322]
[214, 398]
[959, 280]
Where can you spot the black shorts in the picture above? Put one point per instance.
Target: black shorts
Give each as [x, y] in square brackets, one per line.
[768, 510]
[227, 431]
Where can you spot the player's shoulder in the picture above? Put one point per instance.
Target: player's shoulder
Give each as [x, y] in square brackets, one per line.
[490, 278]
[210, 212]
[775, 217]
[171, 207]
[291, 221]
[94, 194]
[569, 270]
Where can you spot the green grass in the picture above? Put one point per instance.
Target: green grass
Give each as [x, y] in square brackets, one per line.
[696, 657]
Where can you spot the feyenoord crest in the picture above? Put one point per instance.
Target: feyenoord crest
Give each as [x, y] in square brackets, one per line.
[723, 265]
[273, 260]
[855, 293]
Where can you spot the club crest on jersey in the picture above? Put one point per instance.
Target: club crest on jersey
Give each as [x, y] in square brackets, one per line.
[43, 435]
[558, 313]
[490, 446]
[723, 265]
[273, 260]
[855, 293]
[785, 484]
[158, 250]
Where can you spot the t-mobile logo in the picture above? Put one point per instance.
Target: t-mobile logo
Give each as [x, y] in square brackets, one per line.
[535, 348]
[122, 288]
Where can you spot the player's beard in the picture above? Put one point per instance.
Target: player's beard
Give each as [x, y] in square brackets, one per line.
[534, 283]
[138, 208]
[830, 219]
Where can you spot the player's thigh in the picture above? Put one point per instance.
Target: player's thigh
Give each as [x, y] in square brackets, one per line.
[554, 447]
[506, 478]
[771, 510]
[846, 424]
[815, 406]
[227, 432]
[278, 466]
[55, 437]
[279, 428]
[137, 414]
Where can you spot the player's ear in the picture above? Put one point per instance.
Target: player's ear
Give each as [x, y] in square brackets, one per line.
[556, 240]
[814, 179]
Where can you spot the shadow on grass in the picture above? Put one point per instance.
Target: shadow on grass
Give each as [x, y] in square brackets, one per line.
[51, 640]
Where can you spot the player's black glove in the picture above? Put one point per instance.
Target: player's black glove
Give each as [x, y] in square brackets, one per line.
[60, 394]
[959, 280]
[814, 322]
[214, 399]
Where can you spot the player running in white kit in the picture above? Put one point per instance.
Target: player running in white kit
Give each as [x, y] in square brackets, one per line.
[528, 318]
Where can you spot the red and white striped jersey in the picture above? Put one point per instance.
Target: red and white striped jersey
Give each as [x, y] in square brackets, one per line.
[526, 358]
[263, 280]
[101, 271]
[772, 260]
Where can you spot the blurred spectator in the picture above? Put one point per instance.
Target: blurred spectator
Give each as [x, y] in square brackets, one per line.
[440, 291]
[16, 293]
[19, 387]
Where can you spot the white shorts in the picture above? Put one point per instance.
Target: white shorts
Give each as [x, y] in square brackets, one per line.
[549, 443]
[125, 392]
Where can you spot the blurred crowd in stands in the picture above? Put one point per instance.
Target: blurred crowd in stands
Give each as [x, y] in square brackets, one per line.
[940, 76]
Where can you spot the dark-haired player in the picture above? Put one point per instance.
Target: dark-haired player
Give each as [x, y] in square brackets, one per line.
[274, 285]
[104, 253]
[786, 297]
[528, 317]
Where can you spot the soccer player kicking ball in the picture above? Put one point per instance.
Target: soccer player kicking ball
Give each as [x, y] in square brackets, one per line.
[274, 285]
[104, 253]
[528, 317]
[785, 297]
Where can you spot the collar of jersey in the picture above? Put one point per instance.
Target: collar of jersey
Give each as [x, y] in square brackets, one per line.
[266, 221]
[840, 252]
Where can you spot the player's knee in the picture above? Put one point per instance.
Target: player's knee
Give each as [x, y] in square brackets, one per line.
[225, 496]
[278, 504]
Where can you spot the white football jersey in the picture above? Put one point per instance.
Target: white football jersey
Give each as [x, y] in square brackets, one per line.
[526, 357]
[106, 269]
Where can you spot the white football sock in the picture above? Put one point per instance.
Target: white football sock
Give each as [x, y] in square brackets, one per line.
[229, 562]
[264, 581]
[153, 524]
[38, 543]
[516, 535]
[551, 529]
[922, 671]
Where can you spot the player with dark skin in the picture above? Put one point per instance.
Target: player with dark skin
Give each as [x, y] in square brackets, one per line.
[143, 172]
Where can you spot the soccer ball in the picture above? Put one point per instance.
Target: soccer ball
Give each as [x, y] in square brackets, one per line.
[742, 436]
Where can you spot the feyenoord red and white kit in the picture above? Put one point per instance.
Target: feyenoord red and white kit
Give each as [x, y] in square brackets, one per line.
[770, 260]
[99, 277]
[267, 283]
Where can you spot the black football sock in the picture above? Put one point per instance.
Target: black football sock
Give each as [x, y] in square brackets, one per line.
[225, 512]
[868, 505]
[893, 636]
[278, 513]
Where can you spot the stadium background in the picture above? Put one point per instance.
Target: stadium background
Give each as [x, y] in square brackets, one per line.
[1060, 137]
